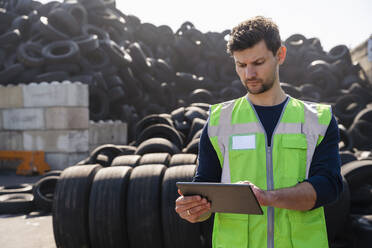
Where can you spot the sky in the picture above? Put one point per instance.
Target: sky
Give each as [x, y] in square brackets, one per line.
[347, 22]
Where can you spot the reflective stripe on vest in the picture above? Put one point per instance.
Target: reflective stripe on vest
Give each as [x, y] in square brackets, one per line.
[300, 129]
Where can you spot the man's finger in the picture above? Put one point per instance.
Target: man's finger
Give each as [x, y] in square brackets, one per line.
[184, 207]
[187, 199]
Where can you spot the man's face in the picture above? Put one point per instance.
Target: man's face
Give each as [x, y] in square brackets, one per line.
[257, 68]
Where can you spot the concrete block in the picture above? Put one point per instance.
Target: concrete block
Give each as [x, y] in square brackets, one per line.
[60, 161]
[23, 119]
[11, 96]
[67, 118]
[56, 140]
[56, 94]
[11, 140]
[108, 132]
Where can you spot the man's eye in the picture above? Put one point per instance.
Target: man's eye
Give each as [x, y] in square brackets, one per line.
[259, 63]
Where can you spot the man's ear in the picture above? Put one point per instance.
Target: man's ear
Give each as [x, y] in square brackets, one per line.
[281, 54]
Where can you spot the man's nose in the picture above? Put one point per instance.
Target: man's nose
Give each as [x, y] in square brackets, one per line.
[250, 72]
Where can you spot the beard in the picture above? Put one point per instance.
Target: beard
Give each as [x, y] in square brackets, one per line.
[262, 87]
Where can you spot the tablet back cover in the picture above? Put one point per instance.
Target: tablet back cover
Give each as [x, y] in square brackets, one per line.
[225, 198]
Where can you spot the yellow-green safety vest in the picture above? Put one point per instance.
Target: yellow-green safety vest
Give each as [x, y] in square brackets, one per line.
[240, 141]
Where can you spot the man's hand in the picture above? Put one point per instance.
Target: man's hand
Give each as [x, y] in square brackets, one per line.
[192, 208]
[300, 197]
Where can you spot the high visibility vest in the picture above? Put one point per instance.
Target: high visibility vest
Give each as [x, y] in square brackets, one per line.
[240, 141]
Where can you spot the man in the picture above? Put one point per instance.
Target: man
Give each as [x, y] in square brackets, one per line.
[286, 149]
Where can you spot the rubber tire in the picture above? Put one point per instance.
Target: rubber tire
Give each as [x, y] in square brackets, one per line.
[43, 191]
[192, 147]
[183, 159]
[155, 158]
[157, 145]
[151, 120]
[16, 189]
[336, 213]
[109, 150]
[20, 203]
[357, 173]
[126, 160]
[177, 232]
[27, 59]
[98, 104]
[160, 131]
[70, 55]
[107, 207]
[71, 206]
[144, 206]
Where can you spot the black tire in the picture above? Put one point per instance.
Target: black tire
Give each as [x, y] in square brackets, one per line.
[64, 21]
[337, 213]
[362, 229]
[178, 114]
[111, 151]
[98, 104]
[197, 125]
[95, 60]
[16, 189]
[117, 54]
[77, 11]
[107, 208]
[21, 203]
[340, 52]
[195, 112]
[347, 107]
[11, 37]
[10, 73]
[67, 68]
[361, 134]
[362, 196]
[347, 157]
[70, 206]
[29, 54]
[49, 32]
[365, 115]
[192, 147]
[157, 145]
[144, 207]
[200, 96]
[155, 158]
[60, 52]
[177, 232]
[126, 149]
[90, 29]
[87, 42]
[116, 94]
[204, 106]
[58, 76]
[183, 159]
[139, 57]
[151, 120]
[126, 160]
[160, 131]
[52, 173]
[346, 140]
[43, 192]
[357, 173]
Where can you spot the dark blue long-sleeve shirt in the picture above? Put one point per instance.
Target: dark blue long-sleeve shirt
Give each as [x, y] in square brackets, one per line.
[324, 174]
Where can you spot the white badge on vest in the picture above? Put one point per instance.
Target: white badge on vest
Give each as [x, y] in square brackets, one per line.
[243, 142]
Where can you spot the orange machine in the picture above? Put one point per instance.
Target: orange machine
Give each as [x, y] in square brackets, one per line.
[32, 161]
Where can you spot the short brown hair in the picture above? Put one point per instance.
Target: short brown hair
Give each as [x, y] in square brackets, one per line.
[250, 32]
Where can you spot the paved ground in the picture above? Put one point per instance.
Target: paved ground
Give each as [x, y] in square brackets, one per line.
[24, 231]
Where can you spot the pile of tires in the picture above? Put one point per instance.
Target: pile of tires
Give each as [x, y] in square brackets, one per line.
[123, 206]
[135, 69]
[27, 198]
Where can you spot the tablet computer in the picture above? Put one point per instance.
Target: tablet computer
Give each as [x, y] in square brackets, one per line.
[224, 198]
